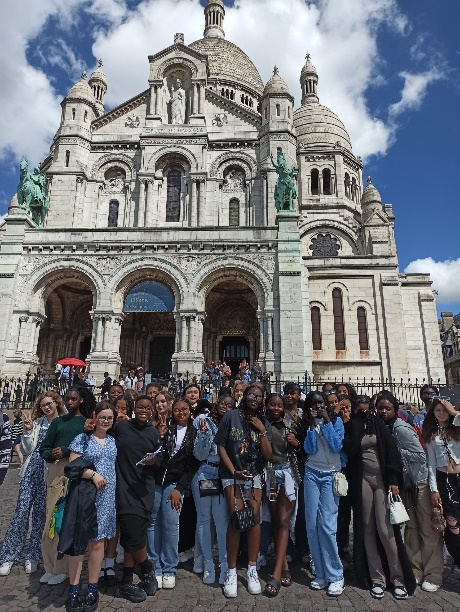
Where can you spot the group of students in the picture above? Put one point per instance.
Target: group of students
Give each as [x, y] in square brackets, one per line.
[161, 476]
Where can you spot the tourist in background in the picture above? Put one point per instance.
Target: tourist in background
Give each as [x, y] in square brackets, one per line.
[427, 395]
[17, 429]
[54, 449]
[244, 444]
[375, 469]
[441, 434]
[423, 543]
[32, 488]
[323, 443]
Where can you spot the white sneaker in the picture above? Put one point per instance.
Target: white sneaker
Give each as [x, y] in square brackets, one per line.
[429, 587]
[5, 568]
[254, 587]
[198, 564]
[231, 585]
[30, 566]
[169, 581]
[336, 588]
[57, 578]
[159, 581]
[318, 585]
[44, 579]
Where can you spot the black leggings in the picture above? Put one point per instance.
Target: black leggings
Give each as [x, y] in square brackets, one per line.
[449, 490]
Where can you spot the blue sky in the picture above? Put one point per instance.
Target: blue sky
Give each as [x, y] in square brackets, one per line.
[388, 68]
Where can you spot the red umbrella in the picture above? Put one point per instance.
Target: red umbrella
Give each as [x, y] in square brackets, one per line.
[71, 361]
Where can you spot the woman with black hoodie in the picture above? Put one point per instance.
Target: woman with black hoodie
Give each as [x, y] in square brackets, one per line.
[173, 472]
[375, 468]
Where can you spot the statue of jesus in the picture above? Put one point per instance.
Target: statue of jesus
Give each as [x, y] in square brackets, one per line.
[178, 100]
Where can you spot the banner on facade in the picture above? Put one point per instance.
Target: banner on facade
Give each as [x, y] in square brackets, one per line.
[149, 296]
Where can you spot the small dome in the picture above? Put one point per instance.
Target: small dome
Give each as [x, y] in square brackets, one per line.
[81, 90]
[98, 74]
[227, 61]
[370, 195]
[316, 124]
[308, 68]
[276, 84]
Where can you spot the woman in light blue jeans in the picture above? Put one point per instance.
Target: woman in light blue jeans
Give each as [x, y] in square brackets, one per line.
[323, 442]
[211, 506]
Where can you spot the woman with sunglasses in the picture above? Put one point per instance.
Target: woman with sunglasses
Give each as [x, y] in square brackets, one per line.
[32, 488]
[99, 448]
[244, 445]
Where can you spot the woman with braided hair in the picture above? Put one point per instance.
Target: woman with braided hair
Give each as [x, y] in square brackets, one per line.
[174, 470]
[244, 445]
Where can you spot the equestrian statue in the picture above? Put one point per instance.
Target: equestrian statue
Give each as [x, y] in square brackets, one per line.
[285, 189]
[33, 193]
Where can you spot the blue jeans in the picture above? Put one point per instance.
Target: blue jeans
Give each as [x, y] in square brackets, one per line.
[163, 533]
[214, 506]
[321, 510]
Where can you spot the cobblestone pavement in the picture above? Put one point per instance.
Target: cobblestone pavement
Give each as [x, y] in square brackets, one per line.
[19, 591]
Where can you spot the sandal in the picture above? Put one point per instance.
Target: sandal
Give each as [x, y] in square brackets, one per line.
[286, 578]
[272, 587]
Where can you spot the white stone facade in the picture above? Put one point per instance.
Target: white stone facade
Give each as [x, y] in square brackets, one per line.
[176, 185]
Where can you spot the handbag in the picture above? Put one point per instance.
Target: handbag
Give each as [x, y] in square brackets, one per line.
[438, 520]
[244, 519]
[209, 487]
[340, 484]
[398, 512]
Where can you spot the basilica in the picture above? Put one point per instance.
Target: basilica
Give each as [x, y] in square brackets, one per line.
[163, 247]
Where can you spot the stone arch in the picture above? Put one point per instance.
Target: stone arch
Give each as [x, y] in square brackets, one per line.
[170, 151]
[345, 294]
[342, 232]
[178, 61]
[141, 270]
[365, 304]
[321, 305]
[219, 270]
[238, 158]
[102, 164]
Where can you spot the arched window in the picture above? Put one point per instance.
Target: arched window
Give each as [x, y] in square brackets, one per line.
[339, 329]
[362, 329]
[316, 328]
[266, 113]
[73, 113]
[234, 212]
[85, 116]
[173, 195]
[314, 182]
[67, 159]
[115, 172]
[278, 110]
[113, 213]
[326, 181]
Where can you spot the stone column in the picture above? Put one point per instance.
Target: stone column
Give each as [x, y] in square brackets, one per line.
[107, 334]
[183, 335]
[141, 207]
[99, 333]
[202, 203]
[22, 333]
[152, 100]
[194, 98]
[191, 334]
[199, 332]
[200, 98]
[150, 212]
[261, 320]
[177, 333]
[193, 205]
[269, 333]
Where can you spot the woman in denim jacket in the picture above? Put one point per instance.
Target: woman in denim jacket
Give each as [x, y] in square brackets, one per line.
[212, 506]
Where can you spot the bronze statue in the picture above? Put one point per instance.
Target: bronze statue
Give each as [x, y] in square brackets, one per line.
[285, 189]
[33, 193]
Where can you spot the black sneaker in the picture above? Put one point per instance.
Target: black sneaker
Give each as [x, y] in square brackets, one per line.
[91, 602]
[149, 582]
[74, 603]
[131, 592]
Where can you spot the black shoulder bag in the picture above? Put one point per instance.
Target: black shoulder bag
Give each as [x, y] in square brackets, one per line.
[244, 519]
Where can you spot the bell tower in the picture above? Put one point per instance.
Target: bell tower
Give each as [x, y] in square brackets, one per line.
[214, 13]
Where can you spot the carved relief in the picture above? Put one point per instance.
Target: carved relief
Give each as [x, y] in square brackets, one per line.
[132, 121]
[114, 184]
[234, 181]
[220, 119]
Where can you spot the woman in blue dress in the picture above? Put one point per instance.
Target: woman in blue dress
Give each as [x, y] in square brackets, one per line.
[100, 449]
[32, 488]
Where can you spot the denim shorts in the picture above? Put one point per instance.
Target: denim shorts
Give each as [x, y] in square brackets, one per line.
[256, 483]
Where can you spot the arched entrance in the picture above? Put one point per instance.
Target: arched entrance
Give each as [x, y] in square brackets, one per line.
[231, 329]
[67, 328]
[148, 331]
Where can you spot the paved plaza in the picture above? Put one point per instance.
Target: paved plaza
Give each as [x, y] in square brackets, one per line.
[19, 591]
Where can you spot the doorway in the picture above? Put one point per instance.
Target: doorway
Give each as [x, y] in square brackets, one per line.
[233, 349]
[161, 352]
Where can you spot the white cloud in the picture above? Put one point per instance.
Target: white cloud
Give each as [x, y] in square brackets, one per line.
[444, 274]
[414, 90]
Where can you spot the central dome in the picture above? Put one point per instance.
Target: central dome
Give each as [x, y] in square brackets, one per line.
[227, 61]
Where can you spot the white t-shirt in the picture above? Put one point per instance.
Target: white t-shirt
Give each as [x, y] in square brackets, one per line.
[180, 435]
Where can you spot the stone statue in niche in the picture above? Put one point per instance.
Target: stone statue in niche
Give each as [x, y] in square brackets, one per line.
[178, 103]
[114, 184]
[132, 121]
[234, 181]
[324, 245]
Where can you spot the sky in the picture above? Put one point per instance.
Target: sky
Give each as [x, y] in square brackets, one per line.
[388, 68]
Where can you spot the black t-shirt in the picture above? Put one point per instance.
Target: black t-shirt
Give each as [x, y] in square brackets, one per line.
[135, 484]
[231, 436]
